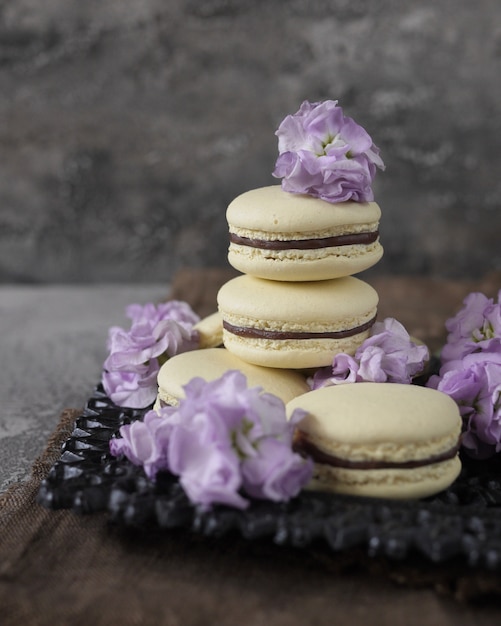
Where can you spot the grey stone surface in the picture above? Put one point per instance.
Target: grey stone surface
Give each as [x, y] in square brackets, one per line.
[53, 344]
[126, 127]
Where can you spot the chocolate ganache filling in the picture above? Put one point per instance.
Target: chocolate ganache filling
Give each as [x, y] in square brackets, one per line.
[307, 244]
[306, 447]
[261, 333]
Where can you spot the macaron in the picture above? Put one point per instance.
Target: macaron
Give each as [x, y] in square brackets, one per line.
[293, 237]
[211, 364]
[384, 440]
[295, 324]
[210, 331]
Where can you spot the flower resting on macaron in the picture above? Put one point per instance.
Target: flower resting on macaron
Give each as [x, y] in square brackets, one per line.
[324, 154]
[157, 332]
[224, 441]
[387, 355]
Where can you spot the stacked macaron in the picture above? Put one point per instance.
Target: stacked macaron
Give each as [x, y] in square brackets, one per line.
[297, 303]
[300, 243]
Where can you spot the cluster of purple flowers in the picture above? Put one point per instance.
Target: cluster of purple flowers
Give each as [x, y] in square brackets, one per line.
[471, 372]
[387, 355]
[135, 355]
[324, 154]
[225, 441]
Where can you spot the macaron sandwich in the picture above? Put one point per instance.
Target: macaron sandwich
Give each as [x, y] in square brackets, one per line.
[379, 439]
[289, 237]
[295, 324]
[212, 363]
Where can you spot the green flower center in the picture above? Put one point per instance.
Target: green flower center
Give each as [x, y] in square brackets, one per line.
[246, 427]
[333, 140]
[162, 358]
[481, 334]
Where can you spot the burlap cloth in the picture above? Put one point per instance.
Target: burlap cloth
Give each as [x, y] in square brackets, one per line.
[59, 568]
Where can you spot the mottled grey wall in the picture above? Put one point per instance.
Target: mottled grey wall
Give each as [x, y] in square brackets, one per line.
[126, 126]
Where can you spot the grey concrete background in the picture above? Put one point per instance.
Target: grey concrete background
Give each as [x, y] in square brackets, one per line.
[126, 126]
[55, 362]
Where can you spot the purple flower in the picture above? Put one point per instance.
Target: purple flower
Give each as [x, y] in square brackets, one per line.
[135, 355]
[175, 310]
[471, 372]
[224, 440]
[474, 382]
[144, 442]
[325, 154]
[274, 472]
[477, 326]
[155, 330]
[390, 355]
[387, 355]
[201, 454]
[344, 369]
[136, 388]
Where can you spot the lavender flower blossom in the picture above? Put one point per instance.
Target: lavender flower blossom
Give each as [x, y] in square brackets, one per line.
[387, 355]
[135, 355]
[135, 388]
[477, 326]
[273, 473]
[474, 382]
[201, 454]
[325, 154]
[471, 372]
[144, 442]
[224, 441]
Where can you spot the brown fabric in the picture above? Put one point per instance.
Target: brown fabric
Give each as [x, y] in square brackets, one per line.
[59, 568]
[199, 287]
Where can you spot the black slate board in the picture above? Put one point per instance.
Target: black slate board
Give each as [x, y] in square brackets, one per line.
[462, 523]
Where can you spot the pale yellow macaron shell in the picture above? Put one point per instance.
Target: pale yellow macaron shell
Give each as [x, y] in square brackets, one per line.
[269, 214]
[312, 307]
[382, 422]
[210, 331]
[212, 363]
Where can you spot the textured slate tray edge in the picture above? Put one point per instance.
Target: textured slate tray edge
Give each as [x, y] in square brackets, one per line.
[462, 523]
